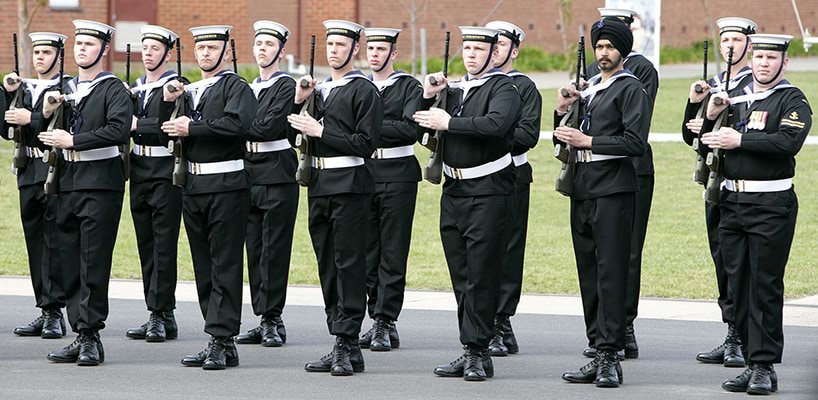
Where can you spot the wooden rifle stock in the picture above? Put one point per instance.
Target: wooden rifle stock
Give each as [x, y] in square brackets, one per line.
[303, 174]
[434, 141]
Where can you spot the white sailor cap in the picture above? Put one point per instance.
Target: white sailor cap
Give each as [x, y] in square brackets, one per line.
[47, 39]
[265, 27]
[343, 28]
[382, 35]
[736, 24]
[509, 30]
[479, 34]
[159, 33]
[770, 42]
[211, 32]
[623, 14]
[93, 28]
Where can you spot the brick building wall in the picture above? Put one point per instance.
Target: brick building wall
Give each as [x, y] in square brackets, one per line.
[682, 22]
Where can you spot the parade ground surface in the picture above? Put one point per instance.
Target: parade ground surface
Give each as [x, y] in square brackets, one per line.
[549, 328]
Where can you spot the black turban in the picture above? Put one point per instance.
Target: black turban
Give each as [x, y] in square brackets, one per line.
[616, 31]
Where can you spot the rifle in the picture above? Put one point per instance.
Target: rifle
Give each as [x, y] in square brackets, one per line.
[52, 157]
[701, 171]
[434, 141]
[16, 132]
[304, 172]
[179, 177]
[125, 149]
[233, 51]
[712, 189]
[564, 152]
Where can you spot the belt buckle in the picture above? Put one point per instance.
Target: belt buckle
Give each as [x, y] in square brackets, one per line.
[254, 147]
[319, 163]
[73, 156]
[195, 168]
[456, 174]
[378, 153]
[739, 184]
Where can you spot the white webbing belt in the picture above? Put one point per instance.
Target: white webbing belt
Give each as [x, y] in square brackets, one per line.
[393, 152]
[34, 152]
[336, 162]
[740, 185]
[478, 171]
[220, 167]
[151, 151]
[520, 159]
[267, 147]
[90, 155]
[587, 156]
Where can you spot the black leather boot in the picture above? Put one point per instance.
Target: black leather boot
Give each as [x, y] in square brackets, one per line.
[67, 354]
[473, 370]
[216, 357]
[739, 383]
[53, 324]
[509, 340]
[253, 336]
[282, 330]
[590, 352]
[341, 364]
[733, 357]
[324, 364]
[381, 335]
[91, 351]
[231, 356]
[496, 346]
[763, 381]
[608, 373]
[631, 348]
[269, 333]
[171, 328]
[586, 374]
[34, 328]
[455, 368]
[155, 328]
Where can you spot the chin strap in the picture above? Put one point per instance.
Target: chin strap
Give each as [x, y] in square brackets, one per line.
[777, 74]
[221, 58]
[508, 56]
[349, 56]
[385, 63]
[488, 60]
[99, 56]
[167, 50]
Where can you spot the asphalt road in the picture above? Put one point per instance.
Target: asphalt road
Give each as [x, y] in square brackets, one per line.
[550, 344]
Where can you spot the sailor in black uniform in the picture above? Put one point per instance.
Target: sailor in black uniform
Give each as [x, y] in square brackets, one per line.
[526, 136]
[271, 164]
[156, 204]
[215, 199]
[476, 205]
[645, 71]
[758, 204]
[38, 211]
[613, 129]
[396, 172]
[733, 33]
[91, 187]
[350, 112]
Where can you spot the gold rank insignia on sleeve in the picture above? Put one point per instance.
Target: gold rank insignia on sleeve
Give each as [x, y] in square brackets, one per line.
[794, 115]
[793, 121]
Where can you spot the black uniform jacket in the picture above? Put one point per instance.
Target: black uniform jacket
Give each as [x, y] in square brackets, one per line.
[271, 124]
[352, 116]
[692, 109]
[481, 131]
[399, 129]
[147, 133]
[643, 69]
[101, 119]
[527, 133]
[618, 128]
[36, 170]
[773, 131]
[218, 131]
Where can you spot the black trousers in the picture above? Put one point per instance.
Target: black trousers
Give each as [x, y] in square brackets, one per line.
[756, 241]
[474, 231]
[216, 224]
[390, 234]
[156, 208]
[38, 214]
[712, 216]
[644, 199]
[88, 222]
[339, 235]
[270, 226]
[601, 230]
[511, 280]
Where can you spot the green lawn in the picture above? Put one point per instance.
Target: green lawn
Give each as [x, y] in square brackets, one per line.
[676, 260]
